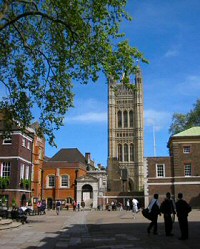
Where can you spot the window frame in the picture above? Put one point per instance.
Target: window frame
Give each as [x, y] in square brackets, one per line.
[119, 119]
[126, 153]
[187, 170]
[68, 181]
[22, 173]
[119, 151]
[5, 168]
[157, 170]
[125, 115]
[54, 181]
[7, 141]
[132, 152]
[186, 149]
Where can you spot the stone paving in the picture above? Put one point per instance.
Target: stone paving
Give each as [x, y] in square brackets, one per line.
[98, 230]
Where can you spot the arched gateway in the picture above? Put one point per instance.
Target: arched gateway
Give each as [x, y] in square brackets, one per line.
[87, 191]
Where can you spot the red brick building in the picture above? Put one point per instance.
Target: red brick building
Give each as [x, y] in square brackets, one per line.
[15, 165]
[60, 174]
[180, 172]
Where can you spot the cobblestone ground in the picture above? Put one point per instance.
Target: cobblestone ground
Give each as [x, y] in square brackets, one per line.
[98, 230]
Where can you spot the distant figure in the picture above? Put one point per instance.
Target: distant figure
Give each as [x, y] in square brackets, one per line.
[39, 204]
[135, 206]
[120, 206]
[113, 205]
[78, 205]
[154, 209]
[74, 205]
[128, 205]
[83, 205]
[58, 206]
[182, 209]
[168, 209]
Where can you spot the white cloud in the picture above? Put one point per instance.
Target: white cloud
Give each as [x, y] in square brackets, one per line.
[90, 117]
[190, 86]
[157, 119]
[87, 111]
[171, 53]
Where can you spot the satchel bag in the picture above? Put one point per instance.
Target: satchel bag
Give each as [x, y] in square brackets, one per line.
[147, 214]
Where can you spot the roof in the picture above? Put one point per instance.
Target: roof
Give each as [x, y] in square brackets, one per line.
[194, 131]
[68, 155]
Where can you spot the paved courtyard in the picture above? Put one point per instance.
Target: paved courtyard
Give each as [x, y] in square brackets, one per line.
[98, 230]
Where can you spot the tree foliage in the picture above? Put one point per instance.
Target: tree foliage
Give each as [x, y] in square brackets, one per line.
[182, 122]
[46, 45]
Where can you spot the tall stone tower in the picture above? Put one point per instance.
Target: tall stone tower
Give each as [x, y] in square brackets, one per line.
[126, 136]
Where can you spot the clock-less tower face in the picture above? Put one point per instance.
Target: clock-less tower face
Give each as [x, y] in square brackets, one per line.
[125, 136]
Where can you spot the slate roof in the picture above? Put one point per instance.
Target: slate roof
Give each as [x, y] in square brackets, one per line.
[68, 155]
[194, 131]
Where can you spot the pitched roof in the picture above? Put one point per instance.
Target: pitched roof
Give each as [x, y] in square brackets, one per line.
[68, 155]
[194, 131]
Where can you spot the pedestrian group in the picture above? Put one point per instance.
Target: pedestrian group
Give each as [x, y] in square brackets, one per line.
[169, 208]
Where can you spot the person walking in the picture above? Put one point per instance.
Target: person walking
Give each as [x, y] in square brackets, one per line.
[168, 209]
[128, 205]
[183, 209]
[58, 205]
[154, 209]
[39, 204]
[135, 206]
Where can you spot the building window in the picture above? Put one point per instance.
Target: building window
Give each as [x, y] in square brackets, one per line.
[119, 152]
[22, 171]
[5, 170]
[131, 152]
[40, 153]
[7, 140]
[186, 149]
[188, 170]
[23, 142]
[65, 181]
[131, 118]
[28, 145]
[119, 119]
[125, 119]
[125, 152]
[27, 173]
[51, 181]
[160, 170]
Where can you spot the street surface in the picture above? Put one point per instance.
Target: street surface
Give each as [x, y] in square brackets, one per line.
[97, 230]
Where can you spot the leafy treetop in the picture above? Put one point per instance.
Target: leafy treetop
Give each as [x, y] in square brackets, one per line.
[181, 122]
[47, 45]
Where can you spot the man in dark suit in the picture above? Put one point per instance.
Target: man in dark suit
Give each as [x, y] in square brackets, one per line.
[168, 209]
[182, 209]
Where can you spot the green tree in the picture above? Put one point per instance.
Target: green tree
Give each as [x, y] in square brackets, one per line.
[45, 46]
[182, 122]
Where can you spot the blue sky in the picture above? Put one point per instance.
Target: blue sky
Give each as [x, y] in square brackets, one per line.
[168, 33]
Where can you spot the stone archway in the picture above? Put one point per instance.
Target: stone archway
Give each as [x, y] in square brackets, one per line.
[87, 191]
[87, 195]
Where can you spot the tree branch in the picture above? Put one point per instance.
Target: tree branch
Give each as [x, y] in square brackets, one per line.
[36, 13]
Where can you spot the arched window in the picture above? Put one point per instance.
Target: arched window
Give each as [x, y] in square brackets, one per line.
[131, 118]
[125, 119]
[119, 119]
[131, 152]
[119, 152]
[125, 152]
